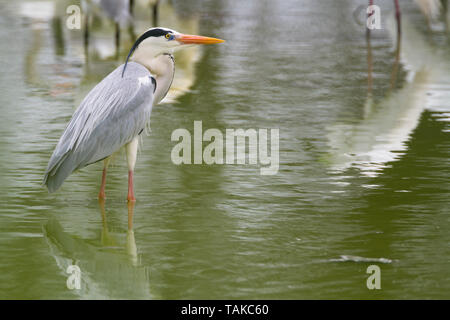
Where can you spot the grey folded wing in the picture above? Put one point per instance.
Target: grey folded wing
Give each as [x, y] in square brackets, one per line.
[111, 115]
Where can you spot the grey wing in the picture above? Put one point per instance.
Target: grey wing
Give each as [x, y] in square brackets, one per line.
[110, 116]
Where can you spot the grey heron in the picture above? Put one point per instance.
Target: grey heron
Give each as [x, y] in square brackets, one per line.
[116, 10]
[154, 8]
[115, 112]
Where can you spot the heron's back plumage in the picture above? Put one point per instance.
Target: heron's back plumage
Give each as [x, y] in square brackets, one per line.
[111, 115]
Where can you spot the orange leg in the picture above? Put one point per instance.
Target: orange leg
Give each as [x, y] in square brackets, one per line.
[130, 187]
[101, 194]
[130, 206]
[132, 148]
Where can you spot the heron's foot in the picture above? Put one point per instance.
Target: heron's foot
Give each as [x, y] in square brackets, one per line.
[131, 197]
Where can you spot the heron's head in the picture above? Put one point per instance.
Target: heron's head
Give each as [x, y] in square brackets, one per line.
[157, 41]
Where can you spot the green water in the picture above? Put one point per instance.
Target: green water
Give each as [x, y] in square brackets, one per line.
[360, 181]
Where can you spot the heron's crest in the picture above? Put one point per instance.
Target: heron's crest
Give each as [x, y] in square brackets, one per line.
[153, 32]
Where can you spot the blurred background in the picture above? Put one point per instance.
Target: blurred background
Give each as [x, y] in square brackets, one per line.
[364, 154]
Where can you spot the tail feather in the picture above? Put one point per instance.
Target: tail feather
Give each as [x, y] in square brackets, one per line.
[55, 176]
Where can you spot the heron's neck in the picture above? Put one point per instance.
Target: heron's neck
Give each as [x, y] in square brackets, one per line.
[162, 67]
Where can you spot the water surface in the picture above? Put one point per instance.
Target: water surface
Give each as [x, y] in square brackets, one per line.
[362, 180]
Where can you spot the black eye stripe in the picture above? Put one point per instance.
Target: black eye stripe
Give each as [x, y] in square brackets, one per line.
[154, 33]
[150, 33]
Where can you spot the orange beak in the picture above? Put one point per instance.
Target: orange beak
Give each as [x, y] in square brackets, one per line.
[191, 39]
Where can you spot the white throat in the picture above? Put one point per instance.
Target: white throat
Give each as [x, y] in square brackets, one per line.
[162, 68]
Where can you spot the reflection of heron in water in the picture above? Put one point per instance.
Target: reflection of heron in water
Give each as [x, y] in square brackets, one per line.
[397, 50]
[111, 269]
[50, 77]
[381, 135]
[430, 9]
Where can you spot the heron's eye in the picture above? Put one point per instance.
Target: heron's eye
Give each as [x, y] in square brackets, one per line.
[169, 36]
